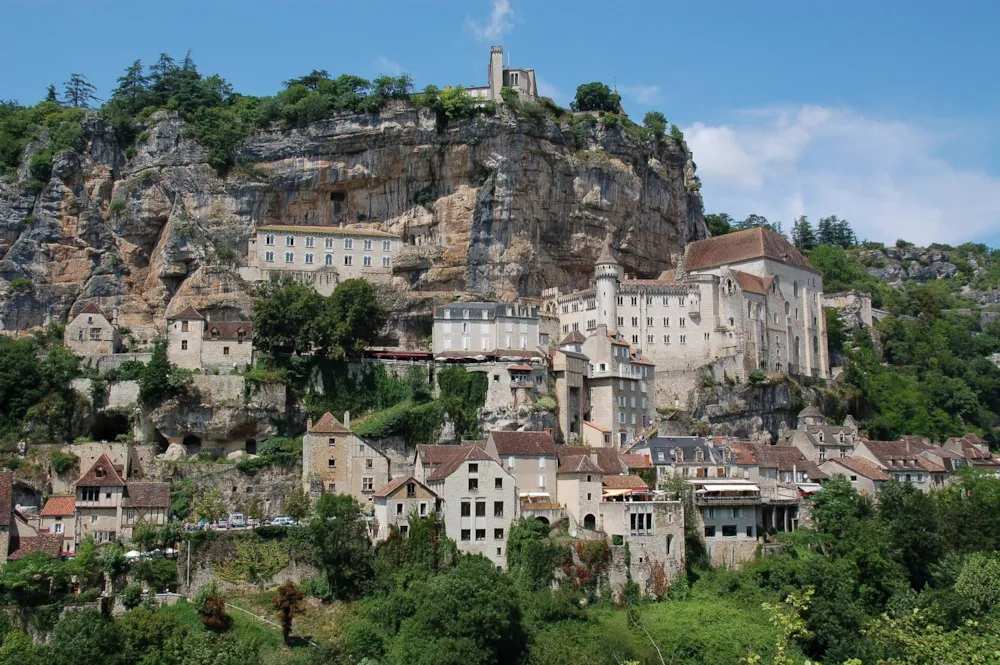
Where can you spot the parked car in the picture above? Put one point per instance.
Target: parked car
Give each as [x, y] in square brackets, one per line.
[222, 523]
[237, 521]
[283, 520]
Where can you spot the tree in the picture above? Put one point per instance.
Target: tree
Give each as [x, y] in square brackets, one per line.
[144, 536]
[288, 602]
[353, 319]
[310, 81]
[211, 607]
[340, 545]
[79, 92]
[284, 316]
[596, 96]
[656, 123]
[531, 556]
[50, 94]
[131, 86]
[146, 632]
[719, 223]
[85, 636]
[154, 383]
[425, 551]
[296, 504]
[979, 581]
[209, 506]
[803, 236]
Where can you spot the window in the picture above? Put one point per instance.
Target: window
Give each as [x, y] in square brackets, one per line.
[707, 336]
[729, 531]
[684, 339]
[423, 508]
[666, 339]
[473, 468]
[635, 321]
[854, 479]
[367, 484]
[466, 535]
[93, 519]
[411, 491]
[348, 260]
[369, 463]
[184, 345]
[289, 257]
[497, 534]
[681, 322]
[480, 534]
[348, 243]
[268, 240]
[466, 509]
[310, 241]
[329, 259]
[225, 350]
[386, 262]
[289, 241]
[403, 530]
[498, 483]
[736, 513]
[480, 509]
[328, 243]
[749, 532]
[57, 528]
[331, 463]
[386, 245]
[498, 509]
[368, 245]
[650, 339]
[473, 484]
[367, 261]
[332, 442]
[710, 532]
[89, 494]
[621, 321]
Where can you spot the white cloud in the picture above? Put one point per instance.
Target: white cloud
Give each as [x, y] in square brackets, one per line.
[499, 24]
[641, 93]
[384, 65]
[882, 175]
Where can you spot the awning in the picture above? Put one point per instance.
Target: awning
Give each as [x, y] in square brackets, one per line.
[617, 492]
[728, 488]
[533, 494]
[809, 488]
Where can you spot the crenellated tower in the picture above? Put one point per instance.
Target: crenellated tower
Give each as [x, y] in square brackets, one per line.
[607, 275]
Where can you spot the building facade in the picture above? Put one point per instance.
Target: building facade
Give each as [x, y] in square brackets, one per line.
[194, 342]
[484, 328]
[500, 76]
[322, 256]
[337, 461]
[744, 301]
[92, 333]
[398, 501]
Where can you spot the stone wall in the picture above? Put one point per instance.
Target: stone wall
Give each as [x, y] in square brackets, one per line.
[207, 558]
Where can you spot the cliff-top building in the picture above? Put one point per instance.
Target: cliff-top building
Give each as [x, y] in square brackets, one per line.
[744, 301]
[500, 76]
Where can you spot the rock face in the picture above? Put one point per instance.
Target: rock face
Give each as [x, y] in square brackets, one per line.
[495, 205]
[753, 412]
[896, 265]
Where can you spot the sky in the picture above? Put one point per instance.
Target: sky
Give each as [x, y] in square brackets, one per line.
[881, 112]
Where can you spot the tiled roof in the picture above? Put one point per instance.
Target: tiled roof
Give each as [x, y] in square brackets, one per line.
[463, 454]
[48, 543]
[59, 506]
[498, 353]
[599, 428]
[111, 478]
[147, 495]
[92, 308]
[189, 313]
[395, 484]
[752, 283]
[326, 230]
[435, 454]
[575, 337]
[890, 450]
[6, 497]
[810, 411]
[608, 459]
[862, 467]
[328, 424]
[637, 461]
[571, 354]
[743, 246]
[524, 443]
[928, 465]
[519, 368]
[624, 483]
[228, 330]
[639, 360]
[578, 464]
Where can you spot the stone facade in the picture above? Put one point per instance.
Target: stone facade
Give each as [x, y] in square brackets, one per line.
[500, 76]
[193, 342]
[483, 328]
[570, 369]
[342, 461]
[322, 256]
[749, 300]
[398, 501]
[92, 333]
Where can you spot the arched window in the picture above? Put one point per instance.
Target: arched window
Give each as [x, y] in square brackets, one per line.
[670, 541]
[815, 346]
[329, 259]
[215, 333]
[774, 285]
[795, 289]
[788, 309]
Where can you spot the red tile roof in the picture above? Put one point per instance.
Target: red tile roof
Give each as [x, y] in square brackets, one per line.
[862, 467]
[752, 283]
[47, 543]
[637, 461]
[743, 246]
[435, 454]
[608, 459]
[147, 495]
[599, 428]
[524, 444]
[624, 483]
[453, 463]
[396, 483]
[189, 313]
[6, 497]
[111, 474]
[519, 368]
[579, 464]
[328, 424]
[228, 330]
[92, 308]
[575, 337]
[59, 506]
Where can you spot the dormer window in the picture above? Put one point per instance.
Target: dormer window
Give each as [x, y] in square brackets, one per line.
[821, 437]
[699, 455]
[100, 472]
[241, 334]
[215, 333]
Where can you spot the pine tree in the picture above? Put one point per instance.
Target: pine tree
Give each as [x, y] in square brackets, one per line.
[132, 85]
[163, 79]
[51, 95]
[803, 235]
[79, 92]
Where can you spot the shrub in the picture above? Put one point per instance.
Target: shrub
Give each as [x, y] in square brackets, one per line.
[456, 103]
[63, 462]
[40, 166]
[211, 606]
[656, 123]
[117, 207]
[131, 596]
[609, 120]
[756, 377]
[596, 96]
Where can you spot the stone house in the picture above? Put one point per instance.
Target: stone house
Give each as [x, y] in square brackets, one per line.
[193, 342]
[400, 499]
[596, 436]
[975, 451]
[336, 460]
[686, 456]
[478, 497]
[570, 372]
[487, 329]
[92, 333]
[901, 461]
[500, 76]
[533, 459]
[818, 440]
[730, 514]
[322, 256]
[741, 302]
[58, 517]
[785, 478]
[579, 483]
[108, 507]
[864, 475]
[144, 503]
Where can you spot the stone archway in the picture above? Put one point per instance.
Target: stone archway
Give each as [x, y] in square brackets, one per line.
[590, 522]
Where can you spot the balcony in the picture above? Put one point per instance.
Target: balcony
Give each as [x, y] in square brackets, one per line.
[710, 500]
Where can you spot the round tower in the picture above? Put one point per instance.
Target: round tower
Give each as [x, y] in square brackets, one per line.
[607, 275]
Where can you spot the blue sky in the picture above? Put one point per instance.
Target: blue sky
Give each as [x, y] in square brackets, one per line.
[881, 112]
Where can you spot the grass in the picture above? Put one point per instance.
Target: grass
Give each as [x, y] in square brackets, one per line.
[319, 622]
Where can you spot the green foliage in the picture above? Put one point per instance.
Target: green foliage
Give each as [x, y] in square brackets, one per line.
[63, 462]
[276, 451]
[836, 336]
[158, 573]
[209, 505]
[423, 552]
[257, 560]
[182, 493]
[160, 380]
[531, 557]
[36, 400]
[131, 596]
[456, 103]
[211, 606]
[596, 96]
[756, 377]
[61, 129]
[296, 504]
[510, 97]
[656, 123]
[340, 545]
[719, 224]
[85, 636]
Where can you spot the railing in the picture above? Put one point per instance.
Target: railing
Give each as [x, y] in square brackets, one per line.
[725, 500]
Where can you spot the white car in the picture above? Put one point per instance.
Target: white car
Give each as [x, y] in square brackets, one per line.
[284, 520]
[237, 521]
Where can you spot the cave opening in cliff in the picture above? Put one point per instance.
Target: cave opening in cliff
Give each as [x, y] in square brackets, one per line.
[108, 426]
[193, 444]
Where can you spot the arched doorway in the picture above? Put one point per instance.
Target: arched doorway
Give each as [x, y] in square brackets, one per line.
[590, 522]
[543, 520]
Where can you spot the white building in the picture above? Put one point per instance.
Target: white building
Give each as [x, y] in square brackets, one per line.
[744, 301]
[322, 256]
[92, 333]
[484, 329]
[194, 342]
[500, 76]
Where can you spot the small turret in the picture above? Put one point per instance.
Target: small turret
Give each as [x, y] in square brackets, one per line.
[607, 275]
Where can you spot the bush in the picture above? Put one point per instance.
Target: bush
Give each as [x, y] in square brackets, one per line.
[41, 167]
[656, 123]
[756, 377]
[117, 207]
[131, 596]
[456, 103]
[211, 606]
[596, 96]
[63, 462]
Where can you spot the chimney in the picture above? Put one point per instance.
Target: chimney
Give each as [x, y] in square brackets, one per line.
[593, 456]
[309, 424]
[347, 419]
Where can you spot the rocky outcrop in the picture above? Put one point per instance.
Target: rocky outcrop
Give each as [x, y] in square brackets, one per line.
[755, 412]
[896, 265]
[517, 419]
[496, 205]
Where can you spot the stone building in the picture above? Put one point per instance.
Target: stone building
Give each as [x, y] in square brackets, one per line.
[108, 507]
[501, 76]
[58, 517]
[570, 369]
[92, 333]
[744, 301]
[819, 440]
[532, 458]
[322, 256]
[193, 342]
[144, 503]
[337, 461]
[864, 475]
[398, 501]
[478, 497]
[484, 329]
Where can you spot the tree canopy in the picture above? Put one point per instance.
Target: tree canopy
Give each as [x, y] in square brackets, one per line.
[596, 96]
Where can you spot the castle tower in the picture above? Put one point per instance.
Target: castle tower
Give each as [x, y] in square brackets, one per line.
[607, 274]
[496, 72]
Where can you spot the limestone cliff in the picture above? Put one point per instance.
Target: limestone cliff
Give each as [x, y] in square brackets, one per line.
[496, 205]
